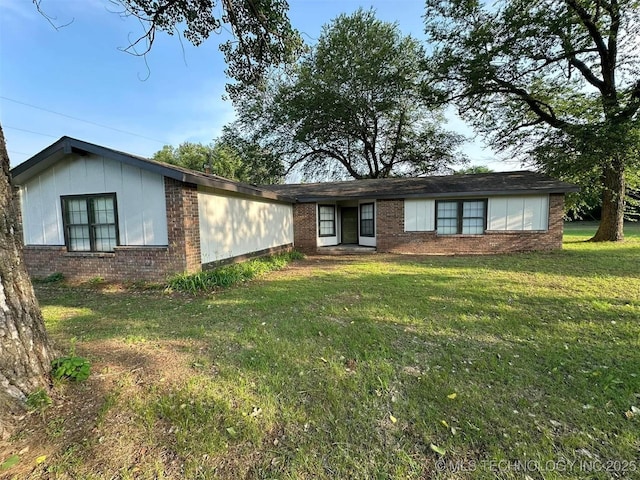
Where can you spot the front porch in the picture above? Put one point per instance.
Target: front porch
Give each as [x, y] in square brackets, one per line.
[346, 249]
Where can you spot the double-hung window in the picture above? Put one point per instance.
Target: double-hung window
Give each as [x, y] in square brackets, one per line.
[90, 222]
[327, 220]
[367, 221]
[461, 217]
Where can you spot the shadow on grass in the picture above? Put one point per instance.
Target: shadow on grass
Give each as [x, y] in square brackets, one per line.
[540, 351]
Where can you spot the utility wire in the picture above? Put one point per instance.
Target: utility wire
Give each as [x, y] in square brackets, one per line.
[81, 120]
[9, 127]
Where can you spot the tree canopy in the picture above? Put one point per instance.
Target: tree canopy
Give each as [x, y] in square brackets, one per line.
[261, 33]
[473, 170]
[230, 156]
[354, 106]
[555, 81]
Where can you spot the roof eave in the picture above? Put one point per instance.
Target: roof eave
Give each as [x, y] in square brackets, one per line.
[235, 187]
[67, 145]
[486, 193]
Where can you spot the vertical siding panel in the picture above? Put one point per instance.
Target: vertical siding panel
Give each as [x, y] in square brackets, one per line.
[140, 199]
[32, 222]
[232, 226]
[497, 214]
[154, 209]
[528, 216]
[419, 215]
[430, 215]
[410, 215]
[515, 209]
[132, 197]
[48, 211]
[58, 236]
[539, 208]
[544, 213]
[63, 176]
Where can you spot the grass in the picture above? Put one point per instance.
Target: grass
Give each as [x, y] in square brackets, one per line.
[228, 275]
[358, 367]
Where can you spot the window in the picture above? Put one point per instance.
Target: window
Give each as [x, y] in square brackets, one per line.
[327, 220]
[90, 222]
[367, 222]
[466, 217]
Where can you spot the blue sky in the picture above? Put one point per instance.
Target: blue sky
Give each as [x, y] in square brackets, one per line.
[75, 81]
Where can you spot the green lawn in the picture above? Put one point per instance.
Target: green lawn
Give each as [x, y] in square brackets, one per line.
[360, 367]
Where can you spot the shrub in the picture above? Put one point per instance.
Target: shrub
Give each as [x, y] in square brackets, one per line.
[73, 368]
[228, 275]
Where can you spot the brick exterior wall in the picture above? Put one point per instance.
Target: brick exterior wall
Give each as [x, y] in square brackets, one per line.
[183, 223]
[132, 262]
[392, 238]
[304, 227]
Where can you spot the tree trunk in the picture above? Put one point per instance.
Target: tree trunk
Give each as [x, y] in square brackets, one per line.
[611, 227]
[25, 350]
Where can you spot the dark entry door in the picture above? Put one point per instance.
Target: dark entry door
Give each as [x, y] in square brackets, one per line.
[349, 224]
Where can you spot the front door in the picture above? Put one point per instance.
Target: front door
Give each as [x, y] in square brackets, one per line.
[349, 224]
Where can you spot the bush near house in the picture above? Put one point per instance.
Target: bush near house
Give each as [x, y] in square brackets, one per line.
[228, 275]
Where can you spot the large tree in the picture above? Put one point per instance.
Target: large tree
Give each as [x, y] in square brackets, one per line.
[555, 80]
[25, 351]
[353, 106]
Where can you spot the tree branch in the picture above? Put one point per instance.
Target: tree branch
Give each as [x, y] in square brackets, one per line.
[48, 17]
[534, 104]
[606, 61]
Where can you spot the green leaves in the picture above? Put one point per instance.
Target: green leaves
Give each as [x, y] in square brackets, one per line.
[231, 156]
[228, 275]
[262, 33]
[355, 106]
[39, 400]
[12, 461]
[437, 449]
[71, 367]
[552, 84]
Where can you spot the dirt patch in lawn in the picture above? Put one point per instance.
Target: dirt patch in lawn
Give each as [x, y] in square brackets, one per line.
[84, 426]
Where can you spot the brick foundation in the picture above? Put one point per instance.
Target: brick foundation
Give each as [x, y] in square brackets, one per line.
[131, 263]
[125, 263]
[392, 238]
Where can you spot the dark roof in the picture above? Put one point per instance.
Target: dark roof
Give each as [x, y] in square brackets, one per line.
[467, 185]
[67, 145]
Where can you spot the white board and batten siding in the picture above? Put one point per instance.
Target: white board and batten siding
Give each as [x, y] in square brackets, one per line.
[419, 215]
[139, 193]
[233, 225]
[518, 213]
[505, 213]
